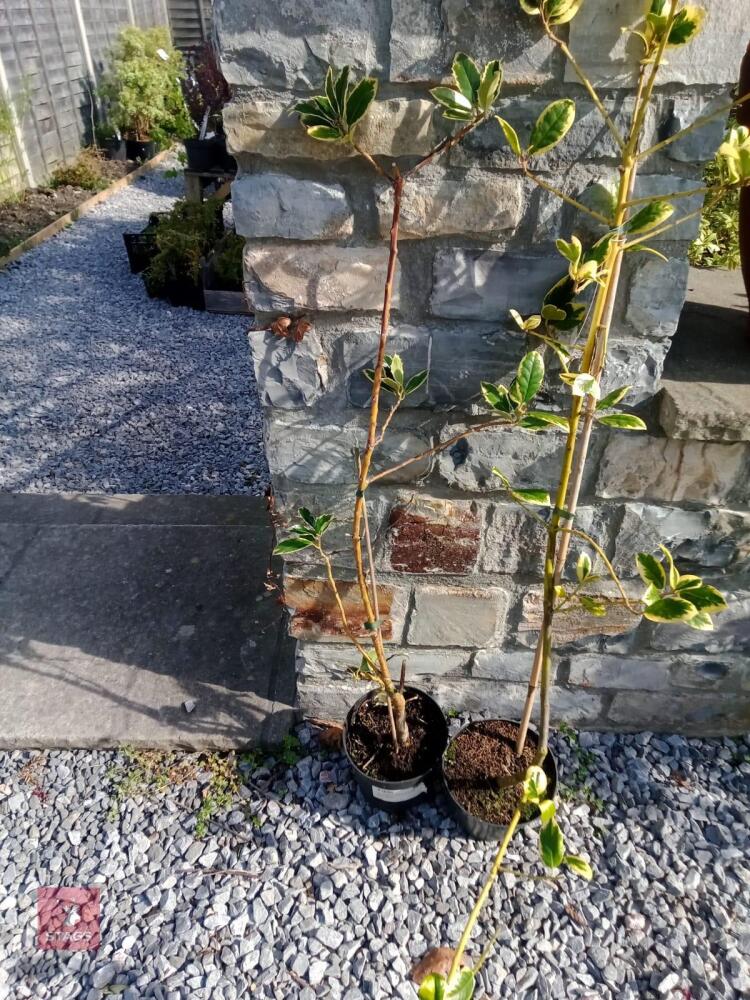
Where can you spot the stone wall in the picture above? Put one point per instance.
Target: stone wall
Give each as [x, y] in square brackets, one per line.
[460, 568]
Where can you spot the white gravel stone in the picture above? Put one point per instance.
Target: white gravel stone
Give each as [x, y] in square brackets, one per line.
[342, 901]
[106, 390]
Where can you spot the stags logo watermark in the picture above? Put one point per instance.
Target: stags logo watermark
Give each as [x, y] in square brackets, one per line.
[68, 918]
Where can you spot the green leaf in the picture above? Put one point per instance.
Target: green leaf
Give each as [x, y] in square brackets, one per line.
[490, 84]
[539, 498]
[437, 987]
[651, 570]
[572, 251]
[553, 313]
[458, 116]
[341, 89]
[312, 108]
[547, 810]
[330, 90]
[686, 25]
[511, 135]
[359, 100]
[562, 11]
[592, 605]
[585, 384]
[583, 567]
[322, 523]
[670, 609]
[623, 421]
[552, 126]
[533, 7]
[291, 545]
[530, 376]
[452, 99]
[579, 865]
[688, 582]
[306, 516]
[534, 784]
[497, 397]
[705, 598]
[553, 419]
[672, 573]
[396, 366]
[602, 198]
[467, 76]
[325, 133]
[702, 622]
[650, 216]
[416, 382]
[552, 844]
[613, 398]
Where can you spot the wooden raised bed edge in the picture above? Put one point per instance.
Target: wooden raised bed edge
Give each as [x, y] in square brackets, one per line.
[65, 220]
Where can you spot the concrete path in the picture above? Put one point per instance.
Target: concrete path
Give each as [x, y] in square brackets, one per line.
[116, 610]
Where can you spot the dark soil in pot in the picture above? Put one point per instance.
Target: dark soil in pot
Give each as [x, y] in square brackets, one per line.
[479, 757]
[395, 778]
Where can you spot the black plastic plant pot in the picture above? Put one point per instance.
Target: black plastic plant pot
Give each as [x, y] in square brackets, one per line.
[481, 829]
[204, 154]
[141, 151]
[395, 796]
[116, 149]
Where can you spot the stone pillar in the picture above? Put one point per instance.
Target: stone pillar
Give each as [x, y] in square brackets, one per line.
[460, 569]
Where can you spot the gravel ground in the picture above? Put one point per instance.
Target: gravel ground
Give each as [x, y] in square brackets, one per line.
[105, 390]
[337, 901]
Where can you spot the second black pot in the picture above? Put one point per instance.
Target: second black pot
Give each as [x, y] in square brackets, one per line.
[141, 151]
[481, 829]
[203, 154]
[394, 796]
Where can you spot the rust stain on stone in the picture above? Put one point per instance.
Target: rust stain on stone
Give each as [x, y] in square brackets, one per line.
[444, 539]
[317, 616]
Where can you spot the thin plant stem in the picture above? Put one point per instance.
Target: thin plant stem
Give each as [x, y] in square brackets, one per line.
[484, 894]
[487, 425]
[603, 556]
[564, 197]
[698, 123]
[676, 195]
[372, 161]
[340, 604]
[590, 89]
[444, 145]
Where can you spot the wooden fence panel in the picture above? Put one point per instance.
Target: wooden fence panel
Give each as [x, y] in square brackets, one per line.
[44, 70]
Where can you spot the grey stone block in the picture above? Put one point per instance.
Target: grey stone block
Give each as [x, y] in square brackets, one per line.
[700, 145]
[290, 45]
[289, 375]
[693, 714]
[589, 138]
[640, 467]
[454, 616]
[485, 285]
[276, 205]
[656, 296]
[478, 203]
[323, 454]
[623, 673]
[426, 34]
[655, 185]
[336, 662]
[356, 350]
[499, 664]
[582, 709]
[706, 539]
[637, 362]
[299, 277]
[705, 411]
[610, 58]
[466, 354]
[262, 122]
[526, 459]
[732, 633]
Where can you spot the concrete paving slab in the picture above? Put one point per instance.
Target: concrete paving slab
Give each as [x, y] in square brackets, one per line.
[115, 611]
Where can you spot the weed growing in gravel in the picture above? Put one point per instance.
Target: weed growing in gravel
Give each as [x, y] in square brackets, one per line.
[577, 788]
[148, 773]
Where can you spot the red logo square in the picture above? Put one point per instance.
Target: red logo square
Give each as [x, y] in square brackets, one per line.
[68, 918]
